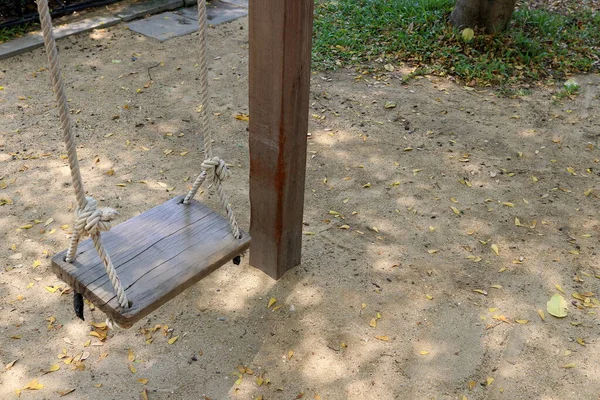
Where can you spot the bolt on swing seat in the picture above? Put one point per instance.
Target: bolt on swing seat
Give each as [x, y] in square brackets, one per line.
[157, 254]
[144, 262]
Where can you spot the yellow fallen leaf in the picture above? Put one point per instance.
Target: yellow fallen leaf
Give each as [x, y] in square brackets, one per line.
[480, 291]
[495, 249]
[27, 226]
[496, 286]
[272, 301]
[242, 117]
[521, 321]
[382, 338]
[37, 263]
[51, 289]
[581, 341]
[508, 204]
[568, 366]
[455, 210]
[429, 297]
[132, 368]
[10, 365]
[131, 356]
[144, 394]
[423, 352]
[541, 314]
[373, 323]
[62, 393]
[502, 269]
[557, 306]
[290, 354]
[517, 222]
[33, 385]
[52, 368]
[501, 318]
[345, 227]
[489, 380]
[559, 288]
[143, 381]
[173, 339]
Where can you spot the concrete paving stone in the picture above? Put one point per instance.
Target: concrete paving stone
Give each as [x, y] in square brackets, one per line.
[85, 25]
[164, 26]
[140, 10]
[239, 3]
[32, 41]
[217, 13]
[20, 45]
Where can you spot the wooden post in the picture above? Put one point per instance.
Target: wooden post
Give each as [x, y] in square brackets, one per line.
[280, 34]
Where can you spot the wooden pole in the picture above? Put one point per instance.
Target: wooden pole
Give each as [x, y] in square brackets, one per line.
[280, 35]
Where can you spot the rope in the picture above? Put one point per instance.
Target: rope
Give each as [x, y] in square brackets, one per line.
[90, 220]
[213, 168]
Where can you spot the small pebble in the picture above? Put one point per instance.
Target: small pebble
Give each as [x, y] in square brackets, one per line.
[292, 308]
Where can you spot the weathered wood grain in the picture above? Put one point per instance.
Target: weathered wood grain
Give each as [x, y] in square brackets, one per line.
[280, 34]
[158, 254]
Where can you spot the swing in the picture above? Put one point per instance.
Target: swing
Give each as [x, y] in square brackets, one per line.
[142, 263]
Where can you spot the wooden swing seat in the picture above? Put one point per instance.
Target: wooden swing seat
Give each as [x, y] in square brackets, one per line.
[157, 254]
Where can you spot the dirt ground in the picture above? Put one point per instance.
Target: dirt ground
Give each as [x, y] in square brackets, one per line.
[436, 229]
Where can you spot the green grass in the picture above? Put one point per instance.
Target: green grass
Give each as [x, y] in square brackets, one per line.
[7, 34]
[538, 46]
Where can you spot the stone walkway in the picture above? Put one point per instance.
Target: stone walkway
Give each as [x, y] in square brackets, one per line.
[171, 18]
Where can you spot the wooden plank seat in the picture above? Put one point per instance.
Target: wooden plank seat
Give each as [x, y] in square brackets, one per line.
[157, 254]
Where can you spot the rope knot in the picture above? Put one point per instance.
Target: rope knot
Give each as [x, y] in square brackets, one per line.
[220, 168]
[92, 220]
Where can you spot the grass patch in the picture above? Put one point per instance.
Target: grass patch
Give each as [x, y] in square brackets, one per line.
[14, 32]
[539, 45]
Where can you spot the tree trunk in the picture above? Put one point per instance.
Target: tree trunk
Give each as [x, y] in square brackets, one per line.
[490, 15]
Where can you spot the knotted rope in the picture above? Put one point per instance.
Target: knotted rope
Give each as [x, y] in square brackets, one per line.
[90, 220]
[213, 168]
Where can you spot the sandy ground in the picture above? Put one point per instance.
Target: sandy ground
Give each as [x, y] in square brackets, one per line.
[409, 302]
